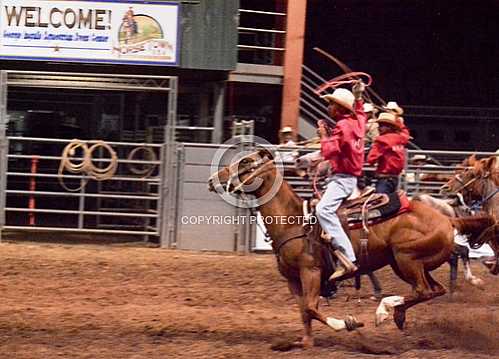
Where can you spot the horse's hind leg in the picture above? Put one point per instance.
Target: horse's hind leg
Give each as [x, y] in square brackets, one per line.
[468, 276]
[310, 282]
[454, 264]
[411, 271]
[437, 288]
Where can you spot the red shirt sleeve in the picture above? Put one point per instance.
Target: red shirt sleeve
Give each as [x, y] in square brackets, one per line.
[330, 146]
[404, 132]
[375, 153]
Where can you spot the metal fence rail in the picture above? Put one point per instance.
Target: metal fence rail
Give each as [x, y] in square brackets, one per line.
[258, 43]
[427, 178]
[127, 203]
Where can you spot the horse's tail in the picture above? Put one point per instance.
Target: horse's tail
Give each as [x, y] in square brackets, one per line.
[480, 229]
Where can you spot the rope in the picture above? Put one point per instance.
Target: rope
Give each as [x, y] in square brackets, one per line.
[85, 166]
[346, 69]
[149, 155]
[348, 78]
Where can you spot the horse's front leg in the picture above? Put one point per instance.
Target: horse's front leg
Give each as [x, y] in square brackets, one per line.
[311, 282]
[296, 289]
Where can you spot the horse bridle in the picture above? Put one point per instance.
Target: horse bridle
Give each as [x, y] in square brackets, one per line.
[253, 169]
[483, 177]
[463, 184]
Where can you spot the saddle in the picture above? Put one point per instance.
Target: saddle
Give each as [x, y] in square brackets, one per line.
[373, 209]
[370, 207]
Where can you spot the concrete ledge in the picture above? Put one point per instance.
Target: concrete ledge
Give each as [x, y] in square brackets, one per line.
[266, 74]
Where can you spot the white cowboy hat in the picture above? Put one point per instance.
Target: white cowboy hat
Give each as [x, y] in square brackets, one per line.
[392, 106]
[286, 129]
[368, 107]
[389, 119]
[342, 97]
[418, 158]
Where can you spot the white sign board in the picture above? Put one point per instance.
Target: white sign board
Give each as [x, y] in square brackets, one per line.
[106, 31]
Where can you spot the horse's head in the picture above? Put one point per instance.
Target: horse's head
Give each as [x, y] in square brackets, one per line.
[470, 180]
[246, 175]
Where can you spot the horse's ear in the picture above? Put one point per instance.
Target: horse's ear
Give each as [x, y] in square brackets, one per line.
[489, 163]
[470, 161]
[265, 153]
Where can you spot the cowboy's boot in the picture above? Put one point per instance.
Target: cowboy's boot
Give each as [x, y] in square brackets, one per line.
[346, 267]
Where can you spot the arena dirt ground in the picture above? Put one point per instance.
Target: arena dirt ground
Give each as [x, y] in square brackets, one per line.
[128, 301]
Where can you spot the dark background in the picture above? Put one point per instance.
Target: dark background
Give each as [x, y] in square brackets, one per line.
[418, 52]
[438, 59]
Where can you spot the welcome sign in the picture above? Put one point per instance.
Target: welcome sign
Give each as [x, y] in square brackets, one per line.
[106, 31]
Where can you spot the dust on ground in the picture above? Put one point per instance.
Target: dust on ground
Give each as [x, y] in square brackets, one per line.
[118, 301]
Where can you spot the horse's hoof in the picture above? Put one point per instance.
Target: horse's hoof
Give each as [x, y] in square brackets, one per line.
[399, 318]
[380, 318]
[478, 282]
[307, 342]
[351, 323]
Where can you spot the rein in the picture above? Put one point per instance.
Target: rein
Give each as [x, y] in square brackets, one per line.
[488, 197]
[255, 169]
[258, 168]
[250, 169]
[464, 185]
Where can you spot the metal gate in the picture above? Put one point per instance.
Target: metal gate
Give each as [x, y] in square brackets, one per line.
[137, 200]
[203, 220]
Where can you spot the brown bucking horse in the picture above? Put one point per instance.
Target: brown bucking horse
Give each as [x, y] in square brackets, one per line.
[413, 243]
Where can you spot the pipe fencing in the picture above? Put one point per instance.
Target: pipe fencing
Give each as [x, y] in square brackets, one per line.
[126, 203]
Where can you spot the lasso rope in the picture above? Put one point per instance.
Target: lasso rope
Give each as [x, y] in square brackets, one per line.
[347, 69]
[86, 166]
[147, 169]
[348, 78]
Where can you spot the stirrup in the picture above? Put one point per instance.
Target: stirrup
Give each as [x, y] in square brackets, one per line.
[346, 266]
[342, 271]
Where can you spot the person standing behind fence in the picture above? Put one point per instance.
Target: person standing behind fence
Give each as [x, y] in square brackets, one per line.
[388, 152]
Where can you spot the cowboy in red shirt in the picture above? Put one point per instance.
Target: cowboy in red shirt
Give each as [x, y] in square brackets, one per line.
[343, 146]
[388, 152]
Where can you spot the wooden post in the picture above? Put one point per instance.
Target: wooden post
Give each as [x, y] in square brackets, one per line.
[293, 60]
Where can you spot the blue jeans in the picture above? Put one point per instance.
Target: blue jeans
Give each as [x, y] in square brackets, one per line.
[387, 184]
[340, 187]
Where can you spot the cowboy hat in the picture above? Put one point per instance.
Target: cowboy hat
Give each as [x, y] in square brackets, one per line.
[392, 106]
[368, 107]
[342, 97]
[419, 158]
[389, 119]
[286, 129]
